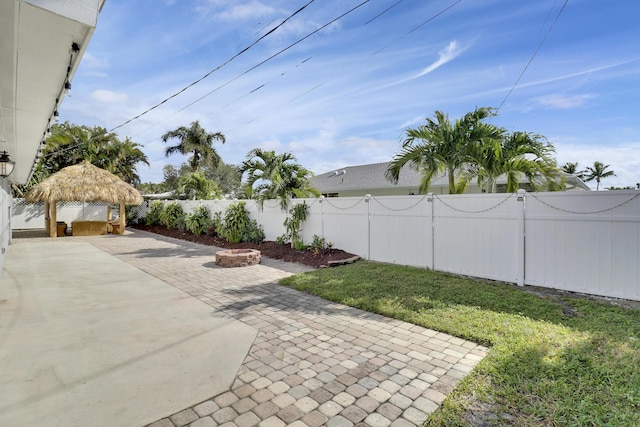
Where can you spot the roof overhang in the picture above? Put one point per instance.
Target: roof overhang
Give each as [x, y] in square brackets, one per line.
[37, 58]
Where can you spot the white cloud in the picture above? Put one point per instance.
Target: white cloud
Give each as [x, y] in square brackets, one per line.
[565, 102]
[108, 96]
[623, 159]
[448, 54]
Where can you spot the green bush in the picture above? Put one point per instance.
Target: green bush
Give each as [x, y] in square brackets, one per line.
[199, 221]
[154, 213]
[320, 245]
[236, 225]
[299, 245]
[173, 216]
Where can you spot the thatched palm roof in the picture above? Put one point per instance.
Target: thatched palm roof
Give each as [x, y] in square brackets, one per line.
[85, 183]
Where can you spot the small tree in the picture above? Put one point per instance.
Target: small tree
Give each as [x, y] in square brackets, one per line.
[298, 214]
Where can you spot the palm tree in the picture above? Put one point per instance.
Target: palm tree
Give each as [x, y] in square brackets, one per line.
[70, 144]
[440, 147]
[195, 140]
[515, 155]
[197, 187]
[276, 176]
[572, 169]
[598, 172]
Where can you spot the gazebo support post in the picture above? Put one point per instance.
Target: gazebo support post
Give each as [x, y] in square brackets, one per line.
[53, 229]
[123, 218]
[47, 216]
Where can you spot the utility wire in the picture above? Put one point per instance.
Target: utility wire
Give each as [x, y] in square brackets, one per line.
[524, 70]
[419, 26]
[281, 51]
[215, 69]
[383, 12]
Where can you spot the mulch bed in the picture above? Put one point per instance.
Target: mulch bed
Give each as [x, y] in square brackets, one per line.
[267, 248]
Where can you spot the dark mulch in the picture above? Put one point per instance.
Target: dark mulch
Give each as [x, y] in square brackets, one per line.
[267, 248]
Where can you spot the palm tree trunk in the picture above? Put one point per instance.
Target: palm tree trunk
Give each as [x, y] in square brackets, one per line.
[452, 182]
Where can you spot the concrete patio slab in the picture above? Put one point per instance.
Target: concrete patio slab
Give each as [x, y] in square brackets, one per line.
[89, 340]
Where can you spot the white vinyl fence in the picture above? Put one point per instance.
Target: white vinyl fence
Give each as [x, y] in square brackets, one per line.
[585, 242]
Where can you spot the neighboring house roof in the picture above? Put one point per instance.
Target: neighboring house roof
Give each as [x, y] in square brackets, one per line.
[372, 177]
[367, 176]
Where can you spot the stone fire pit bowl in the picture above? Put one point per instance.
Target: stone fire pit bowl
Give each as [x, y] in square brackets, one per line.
[238, 257]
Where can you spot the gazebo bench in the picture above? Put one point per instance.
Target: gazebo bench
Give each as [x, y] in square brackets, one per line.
[88, 228]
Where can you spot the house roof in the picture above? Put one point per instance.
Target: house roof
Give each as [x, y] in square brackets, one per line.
[372, 176]
[364, 177]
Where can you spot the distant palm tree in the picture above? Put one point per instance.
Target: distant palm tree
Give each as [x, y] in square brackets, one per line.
[197, 187]
[598, 172]
[515, 155]
[572, 169]
[276, 176]
[440, 146]
[195, 140]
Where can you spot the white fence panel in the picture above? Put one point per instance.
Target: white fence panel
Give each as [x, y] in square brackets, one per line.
[584, 242]
[345, 224]
[314, 223]
[476, 235]
[271, 217]
[30, 216]
[401, 230]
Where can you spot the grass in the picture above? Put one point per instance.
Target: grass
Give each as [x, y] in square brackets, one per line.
[554, 361]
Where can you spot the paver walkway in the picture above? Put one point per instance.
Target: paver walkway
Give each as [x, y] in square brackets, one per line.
[313, 362]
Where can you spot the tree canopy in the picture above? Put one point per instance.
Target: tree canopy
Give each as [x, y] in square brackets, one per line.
[196, 141]
[472, 148]
[597, 172]
[71, 144]
[276, 176]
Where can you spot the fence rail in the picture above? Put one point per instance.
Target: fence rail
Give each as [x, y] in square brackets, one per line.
[586, 242]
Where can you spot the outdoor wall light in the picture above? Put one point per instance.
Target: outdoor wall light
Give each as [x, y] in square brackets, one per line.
[6, 165]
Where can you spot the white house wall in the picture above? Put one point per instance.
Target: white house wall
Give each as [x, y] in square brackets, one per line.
[5, 220]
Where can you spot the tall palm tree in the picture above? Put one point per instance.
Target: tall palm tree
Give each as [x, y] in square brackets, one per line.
[276, 176]
[515, 155]
[439, 146]
[598, 172]
[196, 141]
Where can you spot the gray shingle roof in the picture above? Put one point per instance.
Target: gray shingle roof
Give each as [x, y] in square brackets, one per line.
[363, 177]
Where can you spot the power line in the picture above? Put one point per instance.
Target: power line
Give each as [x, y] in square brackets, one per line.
[215, 69]
[533, 56]
[419, 26]
[281, 51]
[383, 12]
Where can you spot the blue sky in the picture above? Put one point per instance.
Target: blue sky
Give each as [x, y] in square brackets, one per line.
[344, 95]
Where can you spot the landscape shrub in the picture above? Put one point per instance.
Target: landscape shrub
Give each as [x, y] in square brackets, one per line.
[320, 245]
[236, 225]
[199, 221]
[154, 213]
[173, 216]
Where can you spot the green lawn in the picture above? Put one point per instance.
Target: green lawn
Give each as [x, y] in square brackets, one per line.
[553, 361]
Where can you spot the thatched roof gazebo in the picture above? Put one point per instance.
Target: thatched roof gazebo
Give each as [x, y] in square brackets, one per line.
[83, 182]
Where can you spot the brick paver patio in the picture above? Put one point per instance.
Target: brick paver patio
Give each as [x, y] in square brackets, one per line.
[313, 362]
